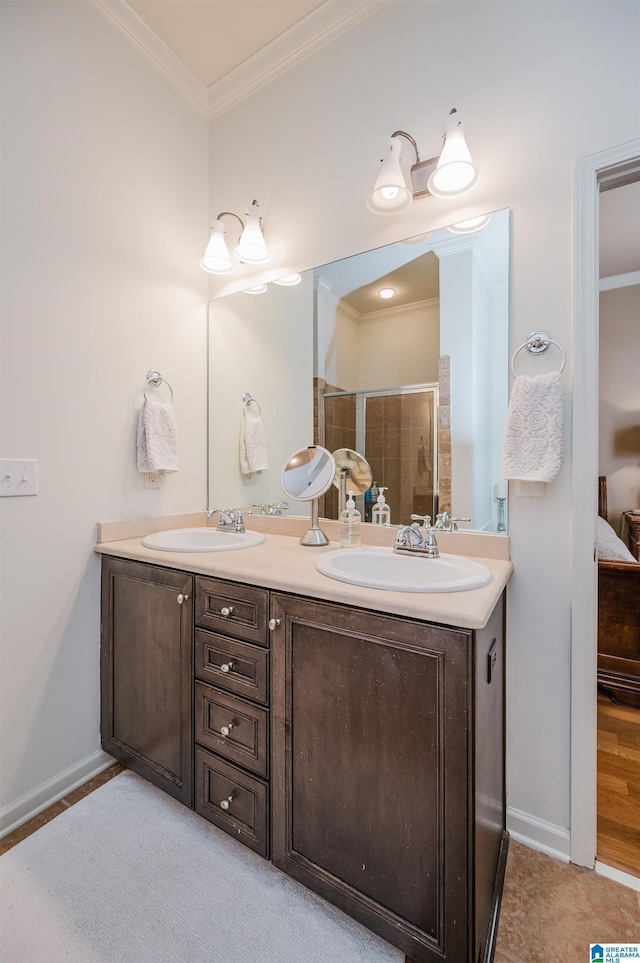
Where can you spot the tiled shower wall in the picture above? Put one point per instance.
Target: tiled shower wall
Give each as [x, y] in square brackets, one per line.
[398, 445]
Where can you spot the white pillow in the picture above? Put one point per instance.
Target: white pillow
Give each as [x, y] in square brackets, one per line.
[609, 545]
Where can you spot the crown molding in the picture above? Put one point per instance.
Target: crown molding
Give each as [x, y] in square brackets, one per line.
[318, 28]
[156, 52]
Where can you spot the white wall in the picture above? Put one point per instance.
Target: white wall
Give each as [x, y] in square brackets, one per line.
[105, 194]
[399, 346]
[541, 85]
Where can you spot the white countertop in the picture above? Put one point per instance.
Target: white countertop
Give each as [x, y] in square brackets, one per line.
[282, 563]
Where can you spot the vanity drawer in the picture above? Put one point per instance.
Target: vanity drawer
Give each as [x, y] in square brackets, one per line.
[235, 666]
[233, 800]
[247, 728]
[233, 609]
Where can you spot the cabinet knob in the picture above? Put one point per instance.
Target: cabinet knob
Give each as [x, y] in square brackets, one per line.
[226, 610]
[226, 730]
[226, 803]
[181, 598]
[274, 623]
[227, 666]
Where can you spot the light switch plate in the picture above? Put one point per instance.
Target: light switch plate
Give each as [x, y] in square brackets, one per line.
[18, 476]
[530, 488]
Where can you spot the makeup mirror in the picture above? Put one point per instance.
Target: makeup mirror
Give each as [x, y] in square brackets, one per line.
[307, 475]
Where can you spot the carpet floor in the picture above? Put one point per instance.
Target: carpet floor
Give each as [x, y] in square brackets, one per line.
[128, 875]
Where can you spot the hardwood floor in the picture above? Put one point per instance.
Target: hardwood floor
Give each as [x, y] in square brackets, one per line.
[619, 786]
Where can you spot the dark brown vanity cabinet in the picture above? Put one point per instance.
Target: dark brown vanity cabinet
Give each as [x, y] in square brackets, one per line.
[388, 777]
[147, 672]
[232, 727]
[362, 752]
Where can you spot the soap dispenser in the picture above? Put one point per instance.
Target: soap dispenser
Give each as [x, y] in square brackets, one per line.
[381, 514]
[350, 525]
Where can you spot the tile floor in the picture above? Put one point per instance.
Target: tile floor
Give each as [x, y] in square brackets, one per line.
[550, 912]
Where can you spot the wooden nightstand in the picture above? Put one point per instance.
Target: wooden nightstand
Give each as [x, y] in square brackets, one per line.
[633, 521]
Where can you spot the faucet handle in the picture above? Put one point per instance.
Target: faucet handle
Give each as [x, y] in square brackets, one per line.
[453, 523]
[442, 518]
[425, 519]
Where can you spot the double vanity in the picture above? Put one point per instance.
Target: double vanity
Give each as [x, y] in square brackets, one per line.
[352, 735]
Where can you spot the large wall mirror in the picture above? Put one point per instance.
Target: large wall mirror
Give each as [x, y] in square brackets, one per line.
[417, 381]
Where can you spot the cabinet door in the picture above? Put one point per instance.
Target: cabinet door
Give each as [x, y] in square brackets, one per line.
[371, 770]
[147, 666]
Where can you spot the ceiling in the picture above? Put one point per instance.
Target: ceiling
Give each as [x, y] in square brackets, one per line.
[217, 52]
[212, 37]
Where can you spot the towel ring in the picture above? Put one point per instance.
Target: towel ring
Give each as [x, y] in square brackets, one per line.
[248, 400]
[537, 343]
[155, 379]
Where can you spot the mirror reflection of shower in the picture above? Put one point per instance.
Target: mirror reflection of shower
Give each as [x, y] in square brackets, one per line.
[396, 430]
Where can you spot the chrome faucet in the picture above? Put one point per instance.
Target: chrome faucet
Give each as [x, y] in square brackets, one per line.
[417, 540]
[448, 524]
[229, 518]
[276, 509]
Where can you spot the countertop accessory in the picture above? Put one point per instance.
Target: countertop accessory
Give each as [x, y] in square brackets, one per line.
[306, 476]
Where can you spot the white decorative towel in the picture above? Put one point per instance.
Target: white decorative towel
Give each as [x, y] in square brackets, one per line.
[533, 432]
[253, 444]
[157, 437]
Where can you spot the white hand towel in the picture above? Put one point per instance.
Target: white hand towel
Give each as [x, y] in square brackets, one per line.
[533, 433]
[253, 444]
[157, 437]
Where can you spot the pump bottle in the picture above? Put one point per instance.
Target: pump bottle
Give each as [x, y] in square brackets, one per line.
[350, 525]
[381, 514]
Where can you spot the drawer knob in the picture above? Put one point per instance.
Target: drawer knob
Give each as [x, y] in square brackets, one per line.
[226, 610]
[226, 803]
[181, 598]
[227, 666]
[274, 623]
[226, 730]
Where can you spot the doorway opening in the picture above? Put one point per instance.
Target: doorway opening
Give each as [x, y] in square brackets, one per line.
[590, 174]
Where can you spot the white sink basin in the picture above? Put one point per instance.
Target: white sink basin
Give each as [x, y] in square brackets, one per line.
[381, 568]
[201, 540]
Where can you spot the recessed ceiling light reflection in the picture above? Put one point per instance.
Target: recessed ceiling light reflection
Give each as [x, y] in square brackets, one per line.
[386, 293]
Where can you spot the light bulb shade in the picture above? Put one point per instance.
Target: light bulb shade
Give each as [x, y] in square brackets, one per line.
[454, 172]
[390, 193]
[289, 281]
[217, 259]
[251, 248]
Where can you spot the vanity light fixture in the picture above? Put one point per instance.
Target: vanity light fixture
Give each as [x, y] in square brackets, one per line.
[445, 176]
[250, 249]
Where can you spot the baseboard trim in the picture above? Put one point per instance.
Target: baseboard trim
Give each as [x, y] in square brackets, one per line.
[602, 869]
[48, 793]
[539, 834]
